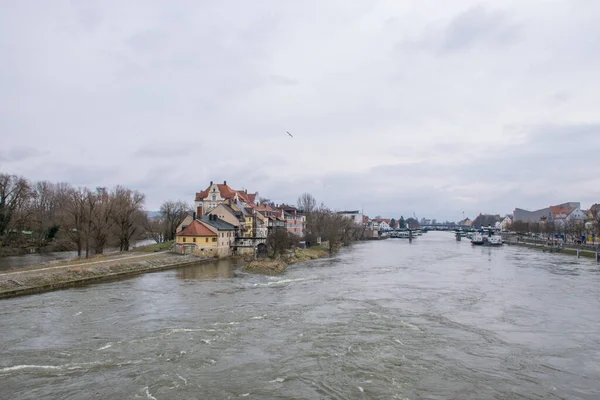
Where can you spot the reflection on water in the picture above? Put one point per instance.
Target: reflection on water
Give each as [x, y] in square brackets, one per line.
[205, 271]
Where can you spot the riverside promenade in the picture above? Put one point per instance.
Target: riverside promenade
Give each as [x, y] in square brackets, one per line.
[550, 245]
[76, 272]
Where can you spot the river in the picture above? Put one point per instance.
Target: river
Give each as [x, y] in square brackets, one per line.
[431, 319]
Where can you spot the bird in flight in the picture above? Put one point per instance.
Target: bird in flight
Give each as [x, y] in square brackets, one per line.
[290, 134]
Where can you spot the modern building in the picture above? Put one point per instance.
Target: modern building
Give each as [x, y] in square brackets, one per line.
[355, 216]
[546, 214]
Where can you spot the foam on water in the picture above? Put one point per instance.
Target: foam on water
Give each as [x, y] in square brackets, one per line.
[148, 395]
[67, 367]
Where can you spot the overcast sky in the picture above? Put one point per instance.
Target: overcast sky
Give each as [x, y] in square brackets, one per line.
[425, 106]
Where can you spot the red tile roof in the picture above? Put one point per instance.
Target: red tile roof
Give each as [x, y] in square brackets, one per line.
[263, 208]
[227, 193]
[196, 229]
[246, 197]
[386, 220]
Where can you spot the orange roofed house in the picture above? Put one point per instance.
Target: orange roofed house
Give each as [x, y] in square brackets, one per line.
[217, 193]
[208, 236]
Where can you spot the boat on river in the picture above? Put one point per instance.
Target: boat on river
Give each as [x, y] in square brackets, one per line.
[486, 237]
[477, 239]
[403, 235]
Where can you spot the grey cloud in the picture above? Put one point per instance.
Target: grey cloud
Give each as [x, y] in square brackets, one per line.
[171, 150]
[560, 97]
[20, 154]
[213, 89]
[80, 174]
[478, 24]
[149, 40]
[283, 80]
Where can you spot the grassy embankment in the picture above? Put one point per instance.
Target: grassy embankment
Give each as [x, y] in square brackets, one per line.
[81, 271]
[271, 266]
[154, 248]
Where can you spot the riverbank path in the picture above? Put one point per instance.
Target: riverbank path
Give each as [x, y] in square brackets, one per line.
[142, 257]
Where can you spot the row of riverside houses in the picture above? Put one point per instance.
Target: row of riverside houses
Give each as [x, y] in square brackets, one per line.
[561, 213]
[228, 222]
[373, 227]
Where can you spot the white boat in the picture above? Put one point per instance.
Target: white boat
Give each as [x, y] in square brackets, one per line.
[495, 240]
[477, 239]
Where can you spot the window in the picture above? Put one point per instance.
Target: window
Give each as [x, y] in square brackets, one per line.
[194, 240]
[206, 240]
[214, 197]
[183, 240]
[214, 239]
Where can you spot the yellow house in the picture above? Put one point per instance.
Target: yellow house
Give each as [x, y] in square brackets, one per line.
[198, 234]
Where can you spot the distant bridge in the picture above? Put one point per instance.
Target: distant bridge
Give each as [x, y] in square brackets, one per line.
[445, 227]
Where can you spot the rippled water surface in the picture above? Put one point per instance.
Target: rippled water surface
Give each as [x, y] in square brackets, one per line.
[434, 319]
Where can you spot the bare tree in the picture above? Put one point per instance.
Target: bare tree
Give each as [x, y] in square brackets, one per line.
[280, 240]
[172, 214]
[74, 217]
[155, 228]
[14, 192]
[307, 203]
[44, 206]
[128, 215]
[101, 217]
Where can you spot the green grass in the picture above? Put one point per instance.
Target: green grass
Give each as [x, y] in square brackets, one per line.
[154, 248]
[319, 248]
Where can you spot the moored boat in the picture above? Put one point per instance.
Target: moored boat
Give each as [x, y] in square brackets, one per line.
[477, 239]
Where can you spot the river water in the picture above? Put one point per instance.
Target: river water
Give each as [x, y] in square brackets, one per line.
[431, 319]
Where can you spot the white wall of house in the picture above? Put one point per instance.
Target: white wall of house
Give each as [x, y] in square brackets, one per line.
[577, 215]
[357, 218]
[384, 226]
[506, 224]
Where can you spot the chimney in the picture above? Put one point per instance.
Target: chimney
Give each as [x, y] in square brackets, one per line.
[194, 215]
[224, 182]
[211, 183]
